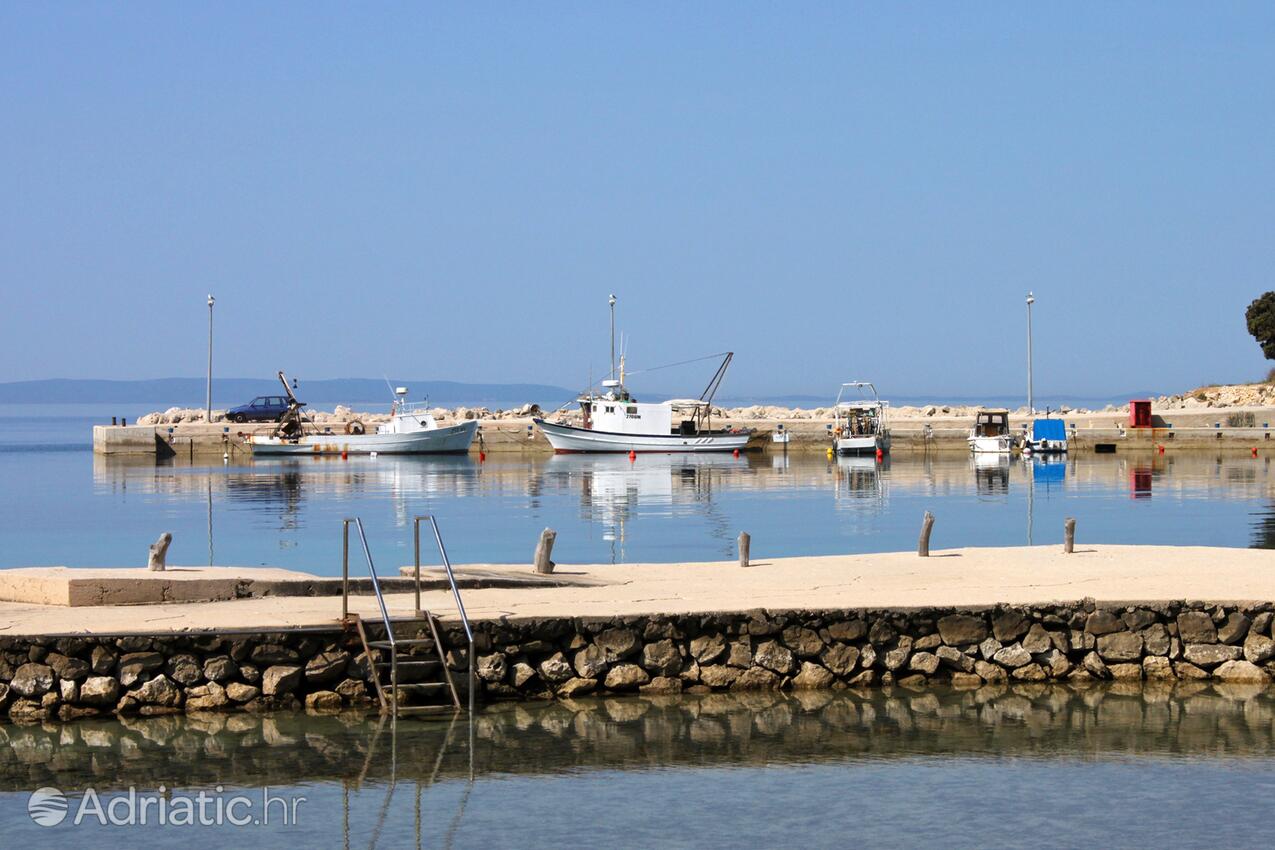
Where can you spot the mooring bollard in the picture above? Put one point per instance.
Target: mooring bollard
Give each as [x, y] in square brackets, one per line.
[923, 546]
[744, 543]
[158, 552]
[544, 549]
[1069, 535]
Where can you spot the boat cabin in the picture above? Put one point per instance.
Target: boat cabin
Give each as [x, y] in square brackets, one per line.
[619, 413]
[991, 423]
[858, 419]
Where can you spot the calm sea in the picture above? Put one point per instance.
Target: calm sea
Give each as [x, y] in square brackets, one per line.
[62, 505]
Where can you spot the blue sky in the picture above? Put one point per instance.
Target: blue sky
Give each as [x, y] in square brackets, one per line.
[834, 191]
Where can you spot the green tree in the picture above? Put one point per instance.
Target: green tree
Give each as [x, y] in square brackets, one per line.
[1261, 323]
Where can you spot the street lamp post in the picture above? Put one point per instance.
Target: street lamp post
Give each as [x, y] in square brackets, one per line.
[611, 301]
[1031, 405]
[208, 398]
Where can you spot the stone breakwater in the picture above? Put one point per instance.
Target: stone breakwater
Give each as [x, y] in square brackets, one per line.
[559, 658]
[767, 650]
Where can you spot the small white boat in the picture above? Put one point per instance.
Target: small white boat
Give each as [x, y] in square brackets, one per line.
[614, 421]
[1048, 437]
[859, 424]
[411, 430]
[990, 434]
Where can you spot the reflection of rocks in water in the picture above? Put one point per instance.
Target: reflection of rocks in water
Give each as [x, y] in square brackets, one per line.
[720, 729]
[1264, 529]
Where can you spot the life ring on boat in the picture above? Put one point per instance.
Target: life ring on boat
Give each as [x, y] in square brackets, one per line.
[836, 432]
[355, 427]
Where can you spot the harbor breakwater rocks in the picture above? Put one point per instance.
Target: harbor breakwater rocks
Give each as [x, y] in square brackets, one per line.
[762, 650]
[557, 658]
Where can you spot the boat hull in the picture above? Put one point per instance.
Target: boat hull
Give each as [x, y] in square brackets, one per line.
[446, 440]
[567, 439]
[1002, 445]
[868, 445]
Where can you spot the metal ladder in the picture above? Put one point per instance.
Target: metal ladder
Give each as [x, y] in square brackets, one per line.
[411, 677]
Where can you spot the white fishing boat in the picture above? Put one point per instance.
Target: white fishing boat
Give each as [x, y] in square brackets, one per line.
[614, 421]
[991, 434]
[859, 424]
[410, 430]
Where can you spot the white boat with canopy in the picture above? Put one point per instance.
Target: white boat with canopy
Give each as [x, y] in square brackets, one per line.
[991, 434]
[614, 421]
[859, 424]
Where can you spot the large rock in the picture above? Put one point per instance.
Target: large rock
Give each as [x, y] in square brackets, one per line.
[1240, 671]
[1208, 655]
[1258, 648]
[989, 672]
[662, 658]
[898, 656]
[492, 668]
[1137, 619]
[1055, 663]
[1008, 626]
[280, 679]
[521, 673]
[740, 654]
[1029, 673]
[840, 658]
[327, 667]
[1012, 656]
[66, 667]
[1157, 667]
[32, 680]
[100, 690]
[1196, 627]
[135, 666]
[103, 660]
[924, 662]
[555, 669]
[617, 643]
[1120, 646]
[773, 656]
[322, 701]
[185, 669]
[1038, 640]
[239, 692]
[220, 669]
[961, 629]
[159, 690]
[848, 630]
[625, 677]
[662, 685]
[1104, 622]
[708, 648]
[719, 675]
[806, 643]
[954, 659]
[1156, 640]
[590, 662]
[209, 697]
[1234, 629]
[812, 676]
[577, 687]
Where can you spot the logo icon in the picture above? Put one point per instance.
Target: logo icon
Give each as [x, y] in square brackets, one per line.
[47, 806]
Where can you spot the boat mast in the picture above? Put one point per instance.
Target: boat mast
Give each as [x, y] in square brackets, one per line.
[611, 301]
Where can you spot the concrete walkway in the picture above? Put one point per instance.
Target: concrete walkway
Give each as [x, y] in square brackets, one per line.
[963, 577]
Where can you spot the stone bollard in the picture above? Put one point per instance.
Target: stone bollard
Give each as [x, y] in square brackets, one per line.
[543, 550]
[1069, 535]
[923, 545]
[158, 552]
[744, 542]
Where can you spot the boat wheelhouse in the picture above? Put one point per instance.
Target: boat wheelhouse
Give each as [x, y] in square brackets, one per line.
[991, 434]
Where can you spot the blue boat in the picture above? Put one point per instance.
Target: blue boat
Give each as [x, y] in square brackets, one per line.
[1049, 436]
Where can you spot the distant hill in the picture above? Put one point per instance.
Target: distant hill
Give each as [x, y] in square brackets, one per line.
[189, 392]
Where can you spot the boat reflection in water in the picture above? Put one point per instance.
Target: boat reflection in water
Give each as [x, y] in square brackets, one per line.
[613, 489]
[991, 473]
[862, 480]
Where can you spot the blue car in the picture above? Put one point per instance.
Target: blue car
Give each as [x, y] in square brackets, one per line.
[263, 408]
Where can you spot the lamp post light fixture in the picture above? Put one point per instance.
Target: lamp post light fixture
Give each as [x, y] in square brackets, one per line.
[1031, 406]
[208, 398]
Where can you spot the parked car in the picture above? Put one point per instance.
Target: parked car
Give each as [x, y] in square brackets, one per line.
[263, 408]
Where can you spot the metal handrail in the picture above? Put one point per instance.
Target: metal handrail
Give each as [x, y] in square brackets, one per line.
[371, 568]
[451, 580]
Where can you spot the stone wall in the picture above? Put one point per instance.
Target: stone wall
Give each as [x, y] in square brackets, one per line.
[860, 648]
[73, 677]
[70, 677]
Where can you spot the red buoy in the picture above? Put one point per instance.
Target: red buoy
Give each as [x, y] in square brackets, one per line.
[1254, 451]
[1162, 448]
[736, 453]
[344, 456]
[880, 455]
[632, 455]
[482, 456]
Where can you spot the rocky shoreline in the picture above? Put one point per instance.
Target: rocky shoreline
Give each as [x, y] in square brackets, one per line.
[558, 658]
